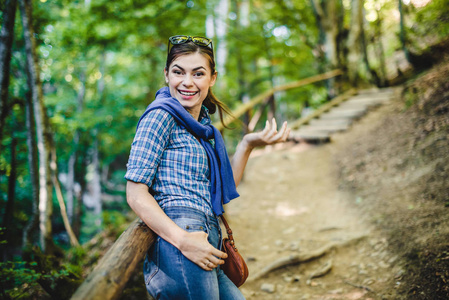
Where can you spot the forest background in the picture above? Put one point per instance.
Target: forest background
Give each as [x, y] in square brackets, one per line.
[76, 76]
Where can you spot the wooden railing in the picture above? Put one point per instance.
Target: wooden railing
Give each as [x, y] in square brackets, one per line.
[113, 271]
[265, 97]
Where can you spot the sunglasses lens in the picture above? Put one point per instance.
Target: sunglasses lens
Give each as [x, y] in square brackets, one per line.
[179, 39]
[201, 41]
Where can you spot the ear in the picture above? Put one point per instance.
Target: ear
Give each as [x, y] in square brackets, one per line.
[166, 75]
[214, 78]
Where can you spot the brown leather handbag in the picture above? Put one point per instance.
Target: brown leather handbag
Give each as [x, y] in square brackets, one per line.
[234, 267]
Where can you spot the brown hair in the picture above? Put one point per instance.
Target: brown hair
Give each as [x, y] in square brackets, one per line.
[210, 102]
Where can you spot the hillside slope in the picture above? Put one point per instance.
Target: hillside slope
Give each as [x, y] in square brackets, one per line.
[398, 168]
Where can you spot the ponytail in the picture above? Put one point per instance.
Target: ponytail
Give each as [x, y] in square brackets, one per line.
[212, 103]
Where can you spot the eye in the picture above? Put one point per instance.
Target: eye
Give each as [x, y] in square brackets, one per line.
[199, 74]
[177, 72]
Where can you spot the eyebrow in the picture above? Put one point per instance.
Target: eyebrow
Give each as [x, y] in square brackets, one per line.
[195, 69]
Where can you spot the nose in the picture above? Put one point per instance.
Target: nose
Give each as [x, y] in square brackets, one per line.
[187, 80]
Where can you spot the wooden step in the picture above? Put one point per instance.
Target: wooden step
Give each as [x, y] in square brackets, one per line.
[353, 114]
[336, 122]
[312, 137]
[330, 128]
[367, 103]
[376, 91]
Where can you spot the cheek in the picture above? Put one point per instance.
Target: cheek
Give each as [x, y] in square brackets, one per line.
[172, 80]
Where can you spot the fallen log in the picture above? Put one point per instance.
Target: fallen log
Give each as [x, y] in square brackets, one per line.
[113, 271]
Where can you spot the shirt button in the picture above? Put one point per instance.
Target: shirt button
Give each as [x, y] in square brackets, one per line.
[201, 227]
[187, 227]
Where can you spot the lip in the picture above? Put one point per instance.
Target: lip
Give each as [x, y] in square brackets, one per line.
[190, 96]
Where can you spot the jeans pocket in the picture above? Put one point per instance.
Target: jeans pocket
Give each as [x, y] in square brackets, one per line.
[151, 264]
[192, 225]
[196, 227]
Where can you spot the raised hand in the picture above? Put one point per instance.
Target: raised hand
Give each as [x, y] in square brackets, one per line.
[268, 136]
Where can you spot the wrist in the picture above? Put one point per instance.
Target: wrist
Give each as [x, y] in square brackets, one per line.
[245, 144]
[179, 239]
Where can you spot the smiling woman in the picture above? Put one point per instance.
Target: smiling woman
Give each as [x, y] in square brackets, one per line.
[179, 177]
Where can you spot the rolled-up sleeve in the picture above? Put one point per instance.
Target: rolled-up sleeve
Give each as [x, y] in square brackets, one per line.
[151, 139]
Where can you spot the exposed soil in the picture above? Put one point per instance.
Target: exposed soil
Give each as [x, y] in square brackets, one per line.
[378, 194]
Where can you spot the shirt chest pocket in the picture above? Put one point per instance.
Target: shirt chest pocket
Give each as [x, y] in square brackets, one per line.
[186, 156]
[185, 143]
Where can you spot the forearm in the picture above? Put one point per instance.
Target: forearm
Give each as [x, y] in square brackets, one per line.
[240, 159]
[149, 211]
[268, 136]
[193, 245]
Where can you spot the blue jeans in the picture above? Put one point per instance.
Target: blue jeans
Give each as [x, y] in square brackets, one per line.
[170, 275]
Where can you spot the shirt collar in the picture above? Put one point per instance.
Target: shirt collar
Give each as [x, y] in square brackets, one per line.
[204, 116]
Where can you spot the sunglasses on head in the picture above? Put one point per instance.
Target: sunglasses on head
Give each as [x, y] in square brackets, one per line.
[182, 39]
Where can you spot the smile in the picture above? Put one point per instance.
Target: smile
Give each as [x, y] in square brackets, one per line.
[185, 93]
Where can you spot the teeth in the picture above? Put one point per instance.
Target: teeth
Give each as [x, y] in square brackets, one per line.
[187, 93]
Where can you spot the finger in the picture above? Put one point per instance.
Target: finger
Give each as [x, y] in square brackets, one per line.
[273, 126]
[212, 265]
[219, 254]
[205, 266]
[216, 261]
[286, 135]
[285, 131]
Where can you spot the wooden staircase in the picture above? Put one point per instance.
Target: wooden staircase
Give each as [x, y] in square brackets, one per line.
[338, 116]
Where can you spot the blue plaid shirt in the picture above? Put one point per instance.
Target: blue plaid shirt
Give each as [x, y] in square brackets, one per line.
[171, 161]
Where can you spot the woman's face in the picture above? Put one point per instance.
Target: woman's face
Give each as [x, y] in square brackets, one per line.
[189, 78]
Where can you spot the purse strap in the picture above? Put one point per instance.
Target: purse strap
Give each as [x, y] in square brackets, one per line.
[229, 232]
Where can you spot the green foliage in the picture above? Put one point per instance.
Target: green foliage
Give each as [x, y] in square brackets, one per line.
[115, 222]
[18, 279]
[431, 21]
[25, 280]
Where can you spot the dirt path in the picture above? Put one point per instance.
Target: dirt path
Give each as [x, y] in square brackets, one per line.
[291, 204]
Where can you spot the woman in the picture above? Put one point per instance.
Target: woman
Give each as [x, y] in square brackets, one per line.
[179, 177]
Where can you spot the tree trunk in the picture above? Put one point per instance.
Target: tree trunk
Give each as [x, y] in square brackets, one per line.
[6, 40]
[327, 17]
[92, 196]
[221, 17]
[33, 224]
[70, 185]
[55, 174]
[371, 74]
[242, 9]
[402, 36]
[272, 101]
[380, 49]
[96, 182]
[78, 207]
[355, 52]
[358, 65]
[9, 209]
[42, 129]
